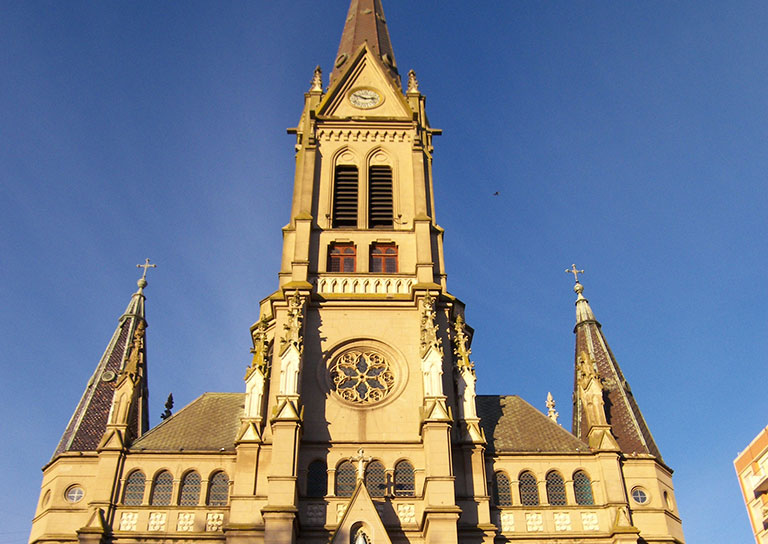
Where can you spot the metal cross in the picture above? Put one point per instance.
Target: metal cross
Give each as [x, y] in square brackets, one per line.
[145, 266]
[573, 270]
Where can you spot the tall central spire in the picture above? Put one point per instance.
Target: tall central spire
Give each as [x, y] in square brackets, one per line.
[365, 24]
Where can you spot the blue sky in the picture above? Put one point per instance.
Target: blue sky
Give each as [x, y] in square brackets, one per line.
[627, 137]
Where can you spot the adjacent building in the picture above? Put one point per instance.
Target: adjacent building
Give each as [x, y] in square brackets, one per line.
[752, 468]
[358, 420]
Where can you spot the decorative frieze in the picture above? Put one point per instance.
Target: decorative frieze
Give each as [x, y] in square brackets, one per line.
[406, 512]
[186, 522]
[589, 521]
[360, 135]
[507, 522]
[562, 521]
[214, 521]
[157, 521]
[128, 521]
[363, 285]
[534, 522]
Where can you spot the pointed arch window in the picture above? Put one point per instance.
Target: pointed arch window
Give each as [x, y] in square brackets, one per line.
[317, 479]
[384, 258]
[555, 489]
[502, 490]
[529, 489]
[582, 488]
[376, 479]
[218, 490]
[380, 197]
[162, 488]
[346, 477]
[189, 494]
[345, 184]
[405, 481]
[342, 257]
[134, 488]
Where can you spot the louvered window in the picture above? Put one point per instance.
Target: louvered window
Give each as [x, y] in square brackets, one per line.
[404, 479]
[376, 479]
[384, 258]
[342, 258]
[380, 197]
[502, 492]
[529, 489]
[555, 489]
[134, 489]
[161, 489]
[582, 488]
[218, 490]
[346, 477]
[317, 479]
[345, 196]
[189, 495]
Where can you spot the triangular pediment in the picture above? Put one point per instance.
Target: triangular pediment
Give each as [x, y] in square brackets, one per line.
[361, 514]
[380, 98]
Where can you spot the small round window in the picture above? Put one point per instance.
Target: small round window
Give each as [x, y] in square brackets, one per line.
[74, 494]
[639, 495]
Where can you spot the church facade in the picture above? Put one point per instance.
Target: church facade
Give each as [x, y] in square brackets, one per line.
[358, 422]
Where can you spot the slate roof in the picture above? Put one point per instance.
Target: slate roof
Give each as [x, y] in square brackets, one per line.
[511, 425]
[208, 423]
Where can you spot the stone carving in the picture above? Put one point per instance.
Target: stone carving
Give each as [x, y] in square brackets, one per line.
[292, 327]
[551, 412]
[562, 521]
[186, 522]
[591, 390]
[128, 521]
[406, 513]
[316, 514]
[135, 362]
[461, 339]
[317, 80]
[429, 328]
[364, 285]
[363, 136]
[341, 509]
[465, 372]
[362, 377]
[360, 460]
[534, 522]
[214, 521]
[507, 522]
[157, 521]
[258, 373]
[589, 521]
[260, 349]
[413, 83]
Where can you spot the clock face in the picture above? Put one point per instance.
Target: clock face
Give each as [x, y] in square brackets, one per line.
[365, 98]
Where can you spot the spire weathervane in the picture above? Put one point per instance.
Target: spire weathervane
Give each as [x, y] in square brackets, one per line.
[575, 271]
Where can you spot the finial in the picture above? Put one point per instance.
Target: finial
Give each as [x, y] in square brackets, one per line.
[413, 83]
[552, 413]
[317, 80]
[575, 271]
[168, 408]
[142, 283]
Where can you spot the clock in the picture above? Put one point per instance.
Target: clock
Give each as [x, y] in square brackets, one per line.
[365, 98]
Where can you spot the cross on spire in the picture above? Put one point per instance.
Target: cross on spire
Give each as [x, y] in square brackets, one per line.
[142, 283]
[575, 271]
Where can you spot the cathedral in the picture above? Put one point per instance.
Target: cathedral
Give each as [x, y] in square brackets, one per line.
[358, 420]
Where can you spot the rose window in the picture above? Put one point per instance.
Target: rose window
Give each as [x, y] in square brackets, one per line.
[362, 377]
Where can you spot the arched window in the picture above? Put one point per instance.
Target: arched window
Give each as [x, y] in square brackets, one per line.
[376, 479]
[162, 488]
[502, 490]
[405, 482]
[380, 197]
[529, 489]
[582, 488]
[346, 477]
[189, 494]
[317, 479]
[384, 258]
[218, 490]
[134, 488]
[555, 489]
[345, 196]
[342, 257]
